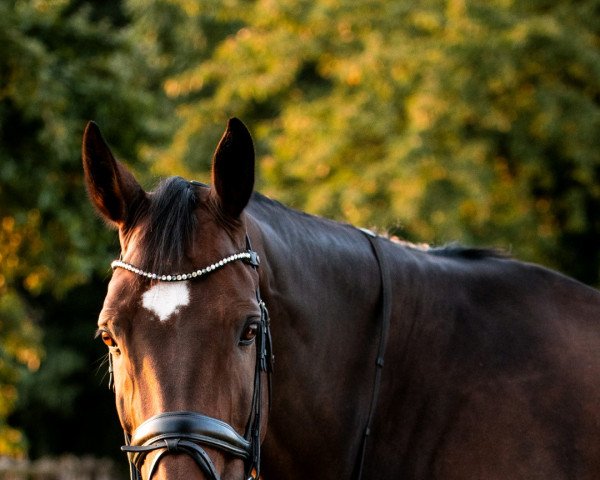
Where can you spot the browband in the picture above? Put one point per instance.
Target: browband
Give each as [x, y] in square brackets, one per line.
[249, 256]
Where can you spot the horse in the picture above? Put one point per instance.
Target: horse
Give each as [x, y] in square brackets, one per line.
[248, 340]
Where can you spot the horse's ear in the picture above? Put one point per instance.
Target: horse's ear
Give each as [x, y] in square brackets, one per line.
[233, 168]
[112, 188]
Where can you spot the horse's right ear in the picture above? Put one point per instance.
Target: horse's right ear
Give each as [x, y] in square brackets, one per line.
[112, 188]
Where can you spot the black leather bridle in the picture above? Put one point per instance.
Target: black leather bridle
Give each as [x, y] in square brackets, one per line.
[189, 432]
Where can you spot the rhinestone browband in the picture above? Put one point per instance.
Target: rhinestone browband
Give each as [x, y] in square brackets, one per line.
[248, 256]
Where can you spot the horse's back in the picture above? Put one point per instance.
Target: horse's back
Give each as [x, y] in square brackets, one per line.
[499, 375]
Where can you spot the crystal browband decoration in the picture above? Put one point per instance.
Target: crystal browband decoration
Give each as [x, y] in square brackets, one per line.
[248, 256]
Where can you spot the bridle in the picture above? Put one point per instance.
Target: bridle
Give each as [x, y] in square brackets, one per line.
[188, 432]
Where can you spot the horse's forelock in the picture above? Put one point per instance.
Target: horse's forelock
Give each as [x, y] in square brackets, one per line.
[170, 224]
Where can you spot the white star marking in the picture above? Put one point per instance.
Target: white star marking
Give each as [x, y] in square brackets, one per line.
[165, 299]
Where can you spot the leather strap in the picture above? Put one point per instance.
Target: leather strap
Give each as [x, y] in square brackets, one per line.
[184, 432]
[264, 363]
[386, 313]
[197, 453]
[194, 426]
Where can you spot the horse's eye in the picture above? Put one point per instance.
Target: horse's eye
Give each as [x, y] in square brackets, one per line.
[249, 334]
[107, 339]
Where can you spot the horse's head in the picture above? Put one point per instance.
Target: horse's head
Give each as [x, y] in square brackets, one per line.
[186, 330]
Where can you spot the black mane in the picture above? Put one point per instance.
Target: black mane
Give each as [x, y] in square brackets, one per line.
[470, 253]
[171, 225]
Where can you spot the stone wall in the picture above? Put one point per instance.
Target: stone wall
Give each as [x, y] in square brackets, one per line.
[67, 467]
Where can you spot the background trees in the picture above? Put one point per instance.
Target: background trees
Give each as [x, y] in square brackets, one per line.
[472, 121]
[61, 63]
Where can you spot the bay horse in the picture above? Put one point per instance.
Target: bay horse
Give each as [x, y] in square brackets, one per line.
[391, 362]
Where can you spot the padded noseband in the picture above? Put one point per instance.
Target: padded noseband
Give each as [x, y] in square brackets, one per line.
[185, 432]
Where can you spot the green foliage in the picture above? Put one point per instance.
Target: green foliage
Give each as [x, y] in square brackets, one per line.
[474, 121]
[62, 63]
[19, 349]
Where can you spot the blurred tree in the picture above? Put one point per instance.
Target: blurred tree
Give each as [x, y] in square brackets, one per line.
[62, 63]
[474, 121]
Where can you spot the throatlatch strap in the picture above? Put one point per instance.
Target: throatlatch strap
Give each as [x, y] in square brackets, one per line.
[386, 313]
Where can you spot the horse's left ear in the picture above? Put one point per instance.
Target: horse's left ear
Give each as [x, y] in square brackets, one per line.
[233, 168]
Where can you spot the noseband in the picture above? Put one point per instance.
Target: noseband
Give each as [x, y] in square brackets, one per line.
[188, 432]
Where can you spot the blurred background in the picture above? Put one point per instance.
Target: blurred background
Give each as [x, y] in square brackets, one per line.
[438, 121]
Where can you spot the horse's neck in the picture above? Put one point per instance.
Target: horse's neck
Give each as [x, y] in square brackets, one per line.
[316, 262]
[321, 283]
